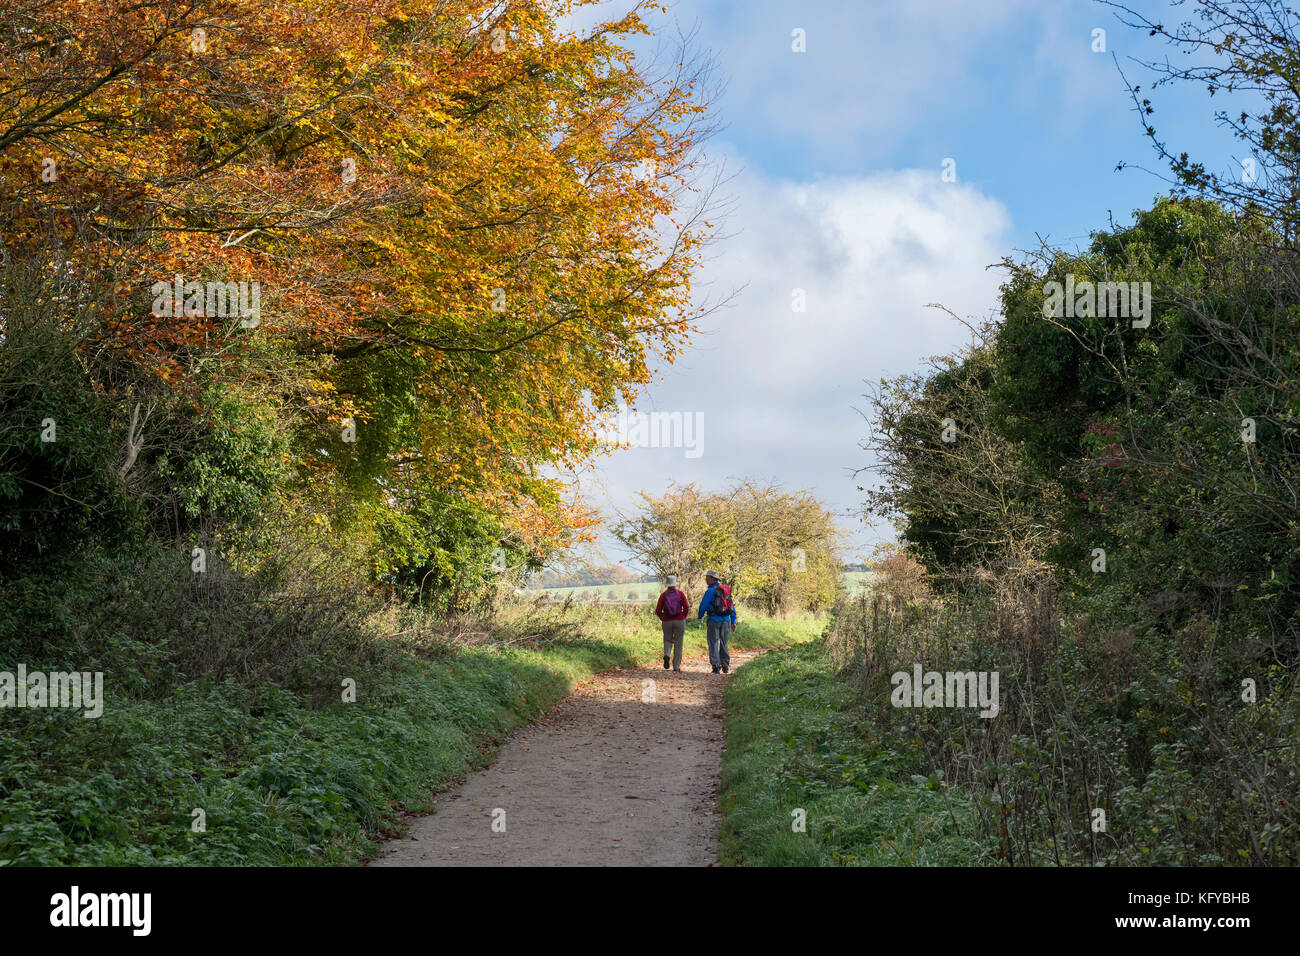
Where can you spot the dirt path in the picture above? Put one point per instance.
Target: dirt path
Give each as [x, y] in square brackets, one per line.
[602, 780]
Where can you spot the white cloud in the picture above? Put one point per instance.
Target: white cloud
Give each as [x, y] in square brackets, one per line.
[777, 388]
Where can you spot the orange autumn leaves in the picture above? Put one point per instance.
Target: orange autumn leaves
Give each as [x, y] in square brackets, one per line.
[455, 210]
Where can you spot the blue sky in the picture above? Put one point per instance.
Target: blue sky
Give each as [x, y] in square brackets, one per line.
[1012, 90]
[838, 154]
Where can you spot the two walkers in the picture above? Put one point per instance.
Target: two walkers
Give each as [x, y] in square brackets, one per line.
[716, 606]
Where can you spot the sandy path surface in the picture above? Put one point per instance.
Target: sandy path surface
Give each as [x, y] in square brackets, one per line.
[604, 779]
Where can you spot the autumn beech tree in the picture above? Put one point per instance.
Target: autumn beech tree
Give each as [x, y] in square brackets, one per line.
[470, 232]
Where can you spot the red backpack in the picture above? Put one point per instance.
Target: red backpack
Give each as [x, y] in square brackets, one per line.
[721, 604]
[674, 603]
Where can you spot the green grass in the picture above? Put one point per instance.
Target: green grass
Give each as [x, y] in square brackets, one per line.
[282, 782]
[793, 743]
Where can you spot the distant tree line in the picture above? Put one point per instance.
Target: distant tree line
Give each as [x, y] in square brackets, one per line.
[586, 577]
[778, 549]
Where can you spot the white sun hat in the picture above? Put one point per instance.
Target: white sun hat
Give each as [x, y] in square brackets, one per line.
[670, 581]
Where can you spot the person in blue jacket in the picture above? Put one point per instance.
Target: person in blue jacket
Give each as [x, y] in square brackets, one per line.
[718, 627]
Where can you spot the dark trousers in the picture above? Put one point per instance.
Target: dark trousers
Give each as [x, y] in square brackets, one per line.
[718, 633]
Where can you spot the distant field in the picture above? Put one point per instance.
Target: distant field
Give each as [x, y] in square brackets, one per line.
[647, 591]
[629, 593]
[857, 580]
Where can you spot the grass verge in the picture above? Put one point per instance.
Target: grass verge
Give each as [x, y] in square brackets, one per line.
[282, 778]
[794, 744]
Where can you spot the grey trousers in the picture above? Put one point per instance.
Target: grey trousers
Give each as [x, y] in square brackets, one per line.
[718, 633]
[674, 638]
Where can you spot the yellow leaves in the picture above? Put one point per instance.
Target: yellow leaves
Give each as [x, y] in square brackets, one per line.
[474, 171]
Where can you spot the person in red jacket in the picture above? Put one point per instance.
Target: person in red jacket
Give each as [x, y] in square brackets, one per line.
[672, 609]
